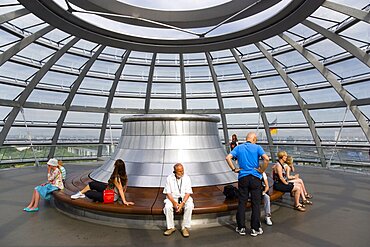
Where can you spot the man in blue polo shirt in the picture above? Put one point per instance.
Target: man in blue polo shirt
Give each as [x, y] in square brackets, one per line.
[249, 181]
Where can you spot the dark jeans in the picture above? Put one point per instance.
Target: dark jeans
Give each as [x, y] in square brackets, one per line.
[96, 192]
[249, 184]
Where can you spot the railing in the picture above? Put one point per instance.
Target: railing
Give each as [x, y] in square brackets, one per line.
[353, 156]
[21, 154]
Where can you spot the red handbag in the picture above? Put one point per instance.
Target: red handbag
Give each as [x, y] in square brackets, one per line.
[108, 196]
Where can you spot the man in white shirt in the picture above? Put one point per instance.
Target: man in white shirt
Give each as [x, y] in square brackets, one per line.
[178, 190]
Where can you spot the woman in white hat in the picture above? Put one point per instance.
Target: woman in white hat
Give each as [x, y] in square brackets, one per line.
[44, 190]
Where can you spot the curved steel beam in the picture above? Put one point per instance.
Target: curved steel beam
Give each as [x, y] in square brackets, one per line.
[295, 12]
[31, 86]
[20, 45]
[346, 45]
[219, 97]
[205, 17]
[13, 15]
[183, 85]
[347, 10]
[299, 100]
[257, 98]
[150, 84]
[108, 106]
[67, 103]
[331, 78]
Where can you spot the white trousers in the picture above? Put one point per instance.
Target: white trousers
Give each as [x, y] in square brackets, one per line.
[266, 204]
[188, 210]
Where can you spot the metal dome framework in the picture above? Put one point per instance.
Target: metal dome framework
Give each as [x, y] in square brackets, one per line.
[306, 76]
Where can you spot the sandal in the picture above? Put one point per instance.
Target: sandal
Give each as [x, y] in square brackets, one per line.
[307, 202]
[308, 196]
[300, 208]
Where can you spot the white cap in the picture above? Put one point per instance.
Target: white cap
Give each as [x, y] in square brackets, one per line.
[53, 162]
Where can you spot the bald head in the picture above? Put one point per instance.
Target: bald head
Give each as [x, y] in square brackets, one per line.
[251, 137]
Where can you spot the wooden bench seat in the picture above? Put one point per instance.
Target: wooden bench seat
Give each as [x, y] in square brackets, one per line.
[149, 201]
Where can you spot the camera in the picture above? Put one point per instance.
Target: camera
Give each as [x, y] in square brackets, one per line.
[179, 200]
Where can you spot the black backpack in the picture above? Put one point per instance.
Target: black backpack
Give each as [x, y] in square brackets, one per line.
[231, 192]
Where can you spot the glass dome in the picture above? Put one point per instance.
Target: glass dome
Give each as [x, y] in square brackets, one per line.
[297, 72]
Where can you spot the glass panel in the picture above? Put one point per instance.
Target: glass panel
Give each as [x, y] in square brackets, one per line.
[91, 83]
[26, 21]
[349, 68]
[357, 32]
[166, 88]
[325, 48]
[329, 14]
[292, 135]
[333, 115]
[114, 52]
[286, 118]
[197, 73]
[43, 96]
[227, 70]
[6, 38]
[89, 100]
[320, 95]
[233, 86]
[72, 61]
[78, 134]
[17, 71]
[166, 58]
[248, 49]
[104, 67]
[83, 117]
[115, 134]
[70, 151]
[165, 104]
[244, 119]
[9, 92]
[202, 104]
[307, 77]
[58, 79]
[301, 31]
[166, 73]
[36, 52]
[37, 134]
[56, 35]
[196, 88]
[348, 135]
[278, 100]
[365, 110]
[242, 102]
[39, 116]
[274, 42]
[85, 45]
[115, 118]
[258, 65]
[291, 58]
[128, 103]
[4, 111]
[132, 87]
[194, 58]
[141, 57]
[359, 4]
[269, 82]
[359, 90]
[220, 55]
[136, 71]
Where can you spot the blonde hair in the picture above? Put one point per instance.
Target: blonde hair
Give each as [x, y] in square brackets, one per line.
[289, 160]
[281, 154]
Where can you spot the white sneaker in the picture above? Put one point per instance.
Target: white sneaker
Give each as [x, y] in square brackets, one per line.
[241, 231]
[268, 221]
[78, 195]
[254, 233]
